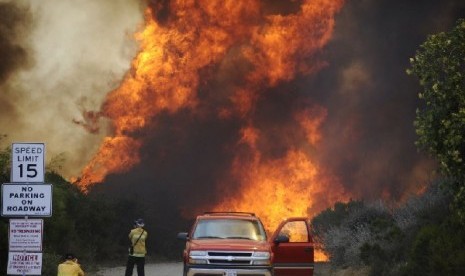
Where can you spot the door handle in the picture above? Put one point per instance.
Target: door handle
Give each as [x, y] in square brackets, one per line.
[308, 249]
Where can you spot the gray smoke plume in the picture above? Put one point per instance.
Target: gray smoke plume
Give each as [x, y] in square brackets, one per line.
[59, 58]
[368, 139]
[371, 100]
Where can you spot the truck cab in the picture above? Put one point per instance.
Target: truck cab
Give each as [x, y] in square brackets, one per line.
[236, 243]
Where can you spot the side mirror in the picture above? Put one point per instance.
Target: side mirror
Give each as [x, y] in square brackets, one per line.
[281, 239]
[183, 236]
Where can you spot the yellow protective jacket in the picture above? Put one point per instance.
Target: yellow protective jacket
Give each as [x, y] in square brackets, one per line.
[139, 247]
[70, 268]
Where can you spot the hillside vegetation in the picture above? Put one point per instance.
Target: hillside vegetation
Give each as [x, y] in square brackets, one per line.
[423, 236]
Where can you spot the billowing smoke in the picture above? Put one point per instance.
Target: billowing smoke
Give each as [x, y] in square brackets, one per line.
[14, 24]
[371, 101]
[192, 158]
[206, 108]
[59, 58]
[206, 145]
[335, 123]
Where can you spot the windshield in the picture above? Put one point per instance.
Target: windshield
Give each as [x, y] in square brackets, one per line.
[229, 229]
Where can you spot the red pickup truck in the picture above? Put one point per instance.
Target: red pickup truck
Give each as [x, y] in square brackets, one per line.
[236, 244]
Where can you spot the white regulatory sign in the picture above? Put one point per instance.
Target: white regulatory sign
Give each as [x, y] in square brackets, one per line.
[27, 163]
[19, 200]
[26, 235]
[24, 263]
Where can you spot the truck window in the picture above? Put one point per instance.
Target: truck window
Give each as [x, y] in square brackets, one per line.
[229, 229]
[296, 231]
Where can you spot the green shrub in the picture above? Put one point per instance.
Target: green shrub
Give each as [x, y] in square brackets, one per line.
[438, 249]
[410, 239]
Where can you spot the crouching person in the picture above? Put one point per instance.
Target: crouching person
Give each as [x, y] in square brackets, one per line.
[70, 267]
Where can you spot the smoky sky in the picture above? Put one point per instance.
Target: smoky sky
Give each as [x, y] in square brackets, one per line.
[368, 134]
[58, 58]
[371, 100]
[14, 55]
[14, 19]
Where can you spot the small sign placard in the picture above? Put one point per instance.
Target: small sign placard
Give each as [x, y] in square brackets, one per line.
[24, 263]
[26, 235]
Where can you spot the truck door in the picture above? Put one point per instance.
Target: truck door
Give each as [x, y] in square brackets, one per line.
[293, 249]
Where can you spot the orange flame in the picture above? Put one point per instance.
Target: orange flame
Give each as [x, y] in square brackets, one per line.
[165, 74]
[266, 49]
[293, 185]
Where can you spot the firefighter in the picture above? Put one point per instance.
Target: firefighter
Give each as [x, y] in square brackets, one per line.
[137, 237]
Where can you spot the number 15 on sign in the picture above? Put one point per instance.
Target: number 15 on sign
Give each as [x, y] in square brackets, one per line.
[27, 162]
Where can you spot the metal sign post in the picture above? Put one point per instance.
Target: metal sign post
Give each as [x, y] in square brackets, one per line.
[27, 196]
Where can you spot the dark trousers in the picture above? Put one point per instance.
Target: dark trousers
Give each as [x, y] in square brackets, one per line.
[139, 261]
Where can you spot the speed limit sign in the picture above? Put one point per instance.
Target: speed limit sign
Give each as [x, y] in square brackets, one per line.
[27, 163]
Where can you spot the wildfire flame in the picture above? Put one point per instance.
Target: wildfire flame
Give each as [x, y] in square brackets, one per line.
[169, 69]
[293, 185]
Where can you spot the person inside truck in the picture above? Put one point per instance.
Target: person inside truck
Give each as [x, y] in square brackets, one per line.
[295, 231]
